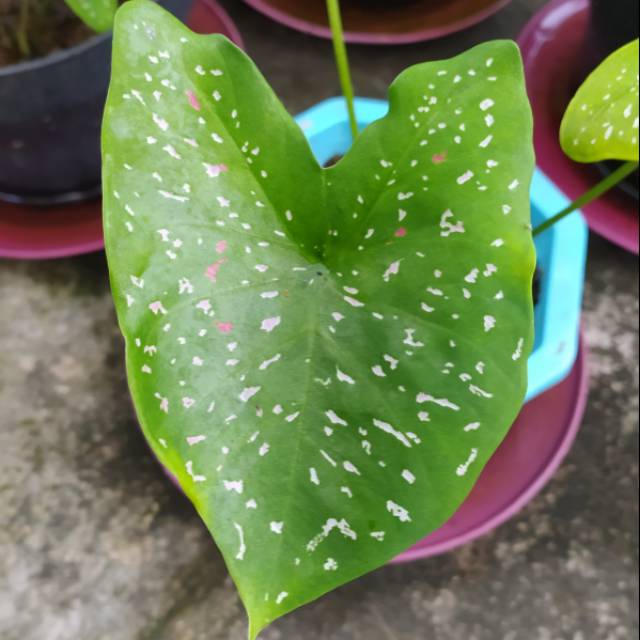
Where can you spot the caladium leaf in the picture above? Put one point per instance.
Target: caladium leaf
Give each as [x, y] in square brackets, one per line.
[601, 122]
[97, 14]
[325, 359]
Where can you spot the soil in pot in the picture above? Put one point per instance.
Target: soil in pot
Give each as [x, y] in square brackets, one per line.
[630, 185]
[31, 29]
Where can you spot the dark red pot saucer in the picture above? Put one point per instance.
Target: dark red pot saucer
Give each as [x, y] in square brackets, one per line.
[417, 21]
[536, 445]
[553, 47]
[74, 229]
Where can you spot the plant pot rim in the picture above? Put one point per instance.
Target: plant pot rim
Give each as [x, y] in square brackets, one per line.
[54, 57]
[419, 34]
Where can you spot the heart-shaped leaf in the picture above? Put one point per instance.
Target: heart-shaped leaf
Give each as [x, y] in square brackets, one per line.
[97, 14]
[601, 122]
[325, 359]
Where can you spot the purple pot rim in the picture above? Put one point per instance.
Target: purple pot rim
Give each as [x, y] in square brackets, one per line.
[533, 489]
[356, 37]
[53, 253]
[604, 216]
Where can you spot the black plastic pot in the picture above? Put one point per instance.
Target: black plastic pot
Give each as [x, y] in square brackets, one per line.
[50, 115]
[613, 24]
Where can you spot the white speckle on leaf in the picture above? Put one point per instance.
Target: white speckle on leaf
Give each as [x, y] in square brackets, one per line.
[442, 402]
[269, 324]
[276, 527]
[408, 476]
[243, 547]
[234, 486]
[248, 393]
[463, 468]
[335, 418]
[489, 323]
[387, 428]
[343, 377]
[398, 512]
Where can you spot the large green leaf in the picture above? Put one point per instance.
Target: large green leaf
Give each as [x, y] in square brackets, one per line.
[97, 14]
[601, 122]
[326, 359]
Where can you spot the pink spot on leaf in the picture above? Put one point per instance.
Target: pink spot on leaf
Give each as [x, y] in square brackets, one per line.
[213, 269]
[221, 246]
[225, 327]
[439, 158]
[214, 170]
[193, 100]
[401, 232]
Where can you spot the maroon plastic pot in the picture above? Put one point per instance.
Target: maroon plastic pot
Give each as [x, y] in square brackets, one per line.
[382, 22]
[50, 116]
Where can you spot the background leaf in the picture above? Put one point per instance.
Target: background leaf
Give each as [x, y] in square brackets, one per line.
[601, 122]
[326, 359]
[97, 14]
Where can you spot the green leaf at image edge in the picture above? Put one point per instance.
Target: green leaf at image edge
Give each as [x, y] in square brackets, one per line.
[325, 359]
[97, 14]
[601, 122]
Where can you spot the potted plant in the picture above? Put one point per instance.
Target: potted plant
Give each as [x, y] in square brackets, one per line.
[370, 323]
[54, 74]
[561, 45]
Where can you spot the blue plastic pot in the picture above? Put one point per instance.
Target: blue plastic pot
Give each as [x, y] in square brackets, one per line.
[562, 250]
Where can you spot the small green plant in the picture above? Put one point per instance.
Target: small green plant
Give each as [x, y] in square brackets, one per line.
[324, 358]
[21, 29]
[97, 14]
[601, 123]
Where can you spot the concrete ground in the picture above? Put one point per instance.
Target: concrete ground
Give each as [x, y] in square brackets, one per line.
[95, 544]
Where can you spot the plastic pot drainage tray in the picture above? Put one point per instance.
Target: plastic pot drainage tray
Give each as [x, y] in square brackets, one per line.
[73, 229]
[558, 380]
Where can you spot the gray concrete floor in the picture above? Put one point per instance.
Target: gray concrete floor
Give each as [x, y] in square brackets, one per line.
[95, 544]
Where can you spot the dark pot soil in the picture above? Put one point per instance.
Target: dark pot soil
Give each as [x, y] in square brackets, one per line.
[332, 161]
[32, 29]
[630, 185]
[613, 24]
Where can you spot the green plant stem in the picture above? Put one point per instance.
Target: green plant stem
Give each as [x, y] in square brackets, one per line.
[22, 39]
[342, 61]
[601, 188]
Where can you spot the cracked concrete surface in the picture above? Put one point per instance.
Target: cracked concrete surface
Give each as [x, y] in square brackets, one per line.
[95, 544]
